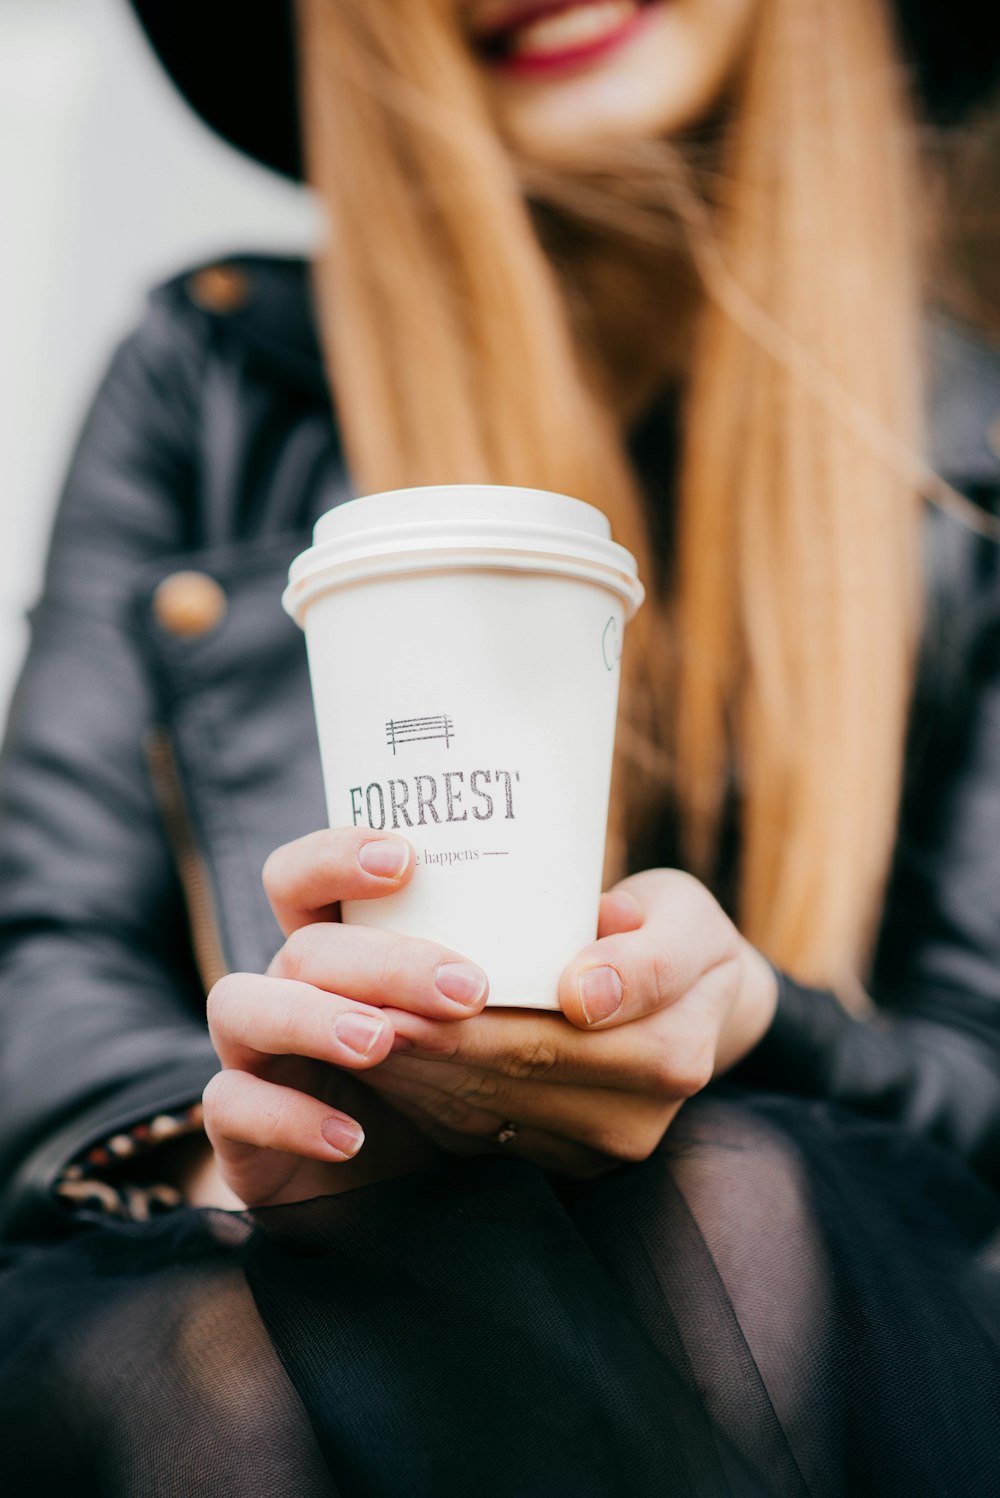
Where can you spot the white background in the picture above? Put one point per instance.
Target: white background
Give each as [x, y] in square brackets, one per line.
[108, 184]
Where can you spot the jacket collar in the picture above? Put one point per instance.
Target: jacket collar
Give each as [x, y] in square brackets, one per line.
[266, 303]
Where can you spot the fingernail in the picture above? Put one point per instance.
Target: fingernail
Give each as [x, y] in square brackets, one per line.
[460, 981]
[601, 993]
[359, 1032]
[387, 857]
[343, 1134]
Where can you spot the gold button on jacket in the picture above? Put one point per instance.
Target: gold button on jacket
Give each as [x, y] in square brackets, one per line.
[189, 604]
[219, 288]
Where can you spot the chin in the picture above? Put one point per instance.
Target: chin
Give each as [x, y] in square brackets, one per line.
[573, 126]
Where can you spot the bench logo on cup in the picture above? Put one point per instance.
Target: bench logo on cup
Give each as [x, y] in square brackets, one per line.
[448, 796]
[418, 730]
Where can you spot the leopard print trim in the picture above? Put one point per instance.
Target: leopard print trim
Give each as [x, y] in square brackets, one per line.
[83, 1186]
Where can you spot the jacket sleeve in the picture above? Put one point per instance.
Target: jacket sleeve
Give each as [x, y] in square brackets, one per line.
[101, 1010]
[929, 1057]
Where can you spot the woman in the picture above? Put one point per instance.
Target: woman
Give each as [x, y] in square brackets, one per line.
[664, 257]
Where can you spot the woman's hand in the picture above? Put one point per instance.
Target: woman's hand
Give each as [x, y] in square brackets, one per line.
[290, 1042]
[669, 996]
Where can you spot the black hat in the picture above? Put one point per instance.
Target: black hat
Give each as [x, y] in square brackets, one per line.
[235, 64]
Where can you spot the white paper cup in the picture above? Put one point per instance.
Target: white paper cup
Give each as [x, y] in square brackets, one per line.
[464, 646]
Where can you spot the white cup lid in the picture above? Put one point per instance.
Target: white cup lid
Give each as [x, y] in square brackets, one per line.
[461, 527]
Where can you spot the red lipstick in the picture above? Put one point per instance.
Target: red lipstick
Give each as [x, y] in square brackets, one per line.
[520, 45]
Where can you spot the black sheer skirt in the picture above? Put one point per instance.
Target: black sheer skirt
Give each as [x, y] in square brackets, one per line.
[785, 1300]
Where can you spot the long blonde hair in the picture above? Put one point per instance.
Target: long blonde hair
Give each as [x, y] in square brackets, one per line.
[773, 675]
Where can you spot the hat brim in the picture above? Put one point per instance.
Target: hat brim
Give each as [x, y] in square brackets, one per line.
[235, 64]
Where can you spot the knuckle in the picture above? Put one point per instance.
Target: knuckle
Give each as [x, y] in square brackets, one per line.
[611, 1142]
[643, 1143]
[299, 954]
[690, 889]
[219, 1101]
[687, 896]
[210, 1094]
[274, 1121]
[631, 1143]
[287, 1027]
[274, 874]
[222, 1002]
[478, 1087]
[449, 1111]
[442, 1042]
[530, 1060]
[289, 865]
[662, 1074]
[392, 971]
[660, 973]
[685, 1067]
[698, 1069]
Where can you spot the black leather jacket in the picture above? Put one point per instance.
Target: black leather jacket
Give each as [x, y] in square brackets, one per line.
[156, 754]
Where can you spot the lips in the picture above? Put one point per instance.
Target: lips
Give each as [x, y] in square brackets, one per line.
[538, 36]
